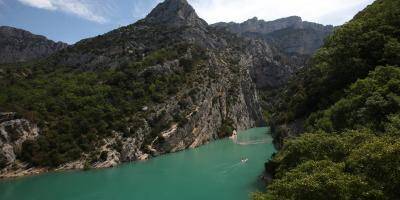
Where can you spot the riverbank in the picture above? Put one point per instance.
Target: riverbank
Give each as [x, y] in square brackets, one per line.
[21, 169]
[215, 168]
[19, 172]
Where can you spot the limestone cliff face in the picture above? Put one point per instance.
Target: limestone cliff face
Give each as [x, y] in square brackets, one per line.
[213, 102]
[228, 98]
[290, 35]
[18, 45]
[13, 133]
[270, 68]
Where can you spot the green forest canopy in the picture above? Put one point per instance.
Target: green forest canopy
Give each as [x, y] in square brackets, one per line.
[350, 96]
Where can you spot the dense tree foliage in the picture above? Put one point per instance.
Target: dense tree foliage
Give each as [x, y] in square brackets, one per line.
[323, 180]
[371, 39]
[368, 103]
[350, 98]
[336, 166]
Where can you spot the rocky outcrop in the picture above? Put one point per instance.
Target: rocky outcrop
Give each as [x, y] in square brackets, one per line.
[291, 34]
[260, 26]
[13, 133]
[17, 45]
[175, 13]
[118, 149]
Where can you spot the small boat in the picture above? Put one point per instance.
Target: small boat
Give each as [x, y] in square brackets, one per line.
[244, 160]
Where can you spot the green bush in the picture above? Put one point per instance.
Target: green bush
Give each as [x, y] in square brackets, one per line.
[347, 165]
[367, 103]
[315, 180]
[379, 161]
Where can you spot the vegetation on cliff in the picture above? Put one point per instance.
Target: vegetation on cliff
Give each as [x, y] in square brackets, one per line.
[76, 108]
[350, 99]
[358, 160]
[371, 39]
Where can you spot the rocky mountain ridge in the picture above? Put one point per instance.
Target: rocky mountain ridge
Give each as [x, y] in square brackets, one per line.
[17, 45]
[291, 34]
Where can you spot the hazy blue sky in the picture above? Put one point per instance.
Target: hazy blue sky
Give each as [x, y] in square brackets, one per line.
[73, 20]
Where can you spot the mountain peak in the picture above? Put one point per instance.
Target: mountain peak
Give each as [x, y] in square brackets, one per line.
[175, 13]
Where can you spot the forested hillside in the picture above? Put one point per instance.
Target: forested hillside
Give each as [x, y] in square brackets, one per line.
[349, 101]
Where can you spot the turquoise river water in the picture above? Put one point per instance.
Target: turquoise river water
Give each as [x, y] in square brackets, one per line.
[213, 171]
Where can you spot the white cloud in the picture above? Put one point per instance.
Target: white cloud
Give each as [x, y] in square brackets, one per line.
[44, 4]
[92, 10]
[322, 11]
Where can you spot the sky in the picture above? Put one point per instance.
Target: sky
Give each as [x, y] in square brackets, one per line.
[72, 20]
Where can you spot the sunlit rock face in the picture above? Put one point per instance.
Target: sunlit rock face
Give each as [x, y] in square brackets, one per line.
[14, 132]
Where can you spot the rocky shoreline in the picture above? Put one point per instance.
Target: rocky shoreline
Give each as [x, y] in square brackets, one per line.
[21, 169]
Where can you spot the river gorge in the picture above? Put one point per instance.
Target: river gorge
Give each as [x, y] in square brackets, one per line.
[212, 171]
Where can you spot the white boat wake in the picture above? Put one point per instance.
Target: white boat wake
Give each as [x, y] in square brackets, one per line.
[253, 142]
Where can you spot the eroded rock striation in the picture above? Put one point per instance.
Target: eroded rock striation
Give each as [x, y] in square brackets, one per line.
[14, 132]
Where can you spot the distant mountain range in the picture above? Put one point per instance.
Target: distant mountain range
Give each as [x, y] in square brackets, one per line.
[17, 45]
[291, 34]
